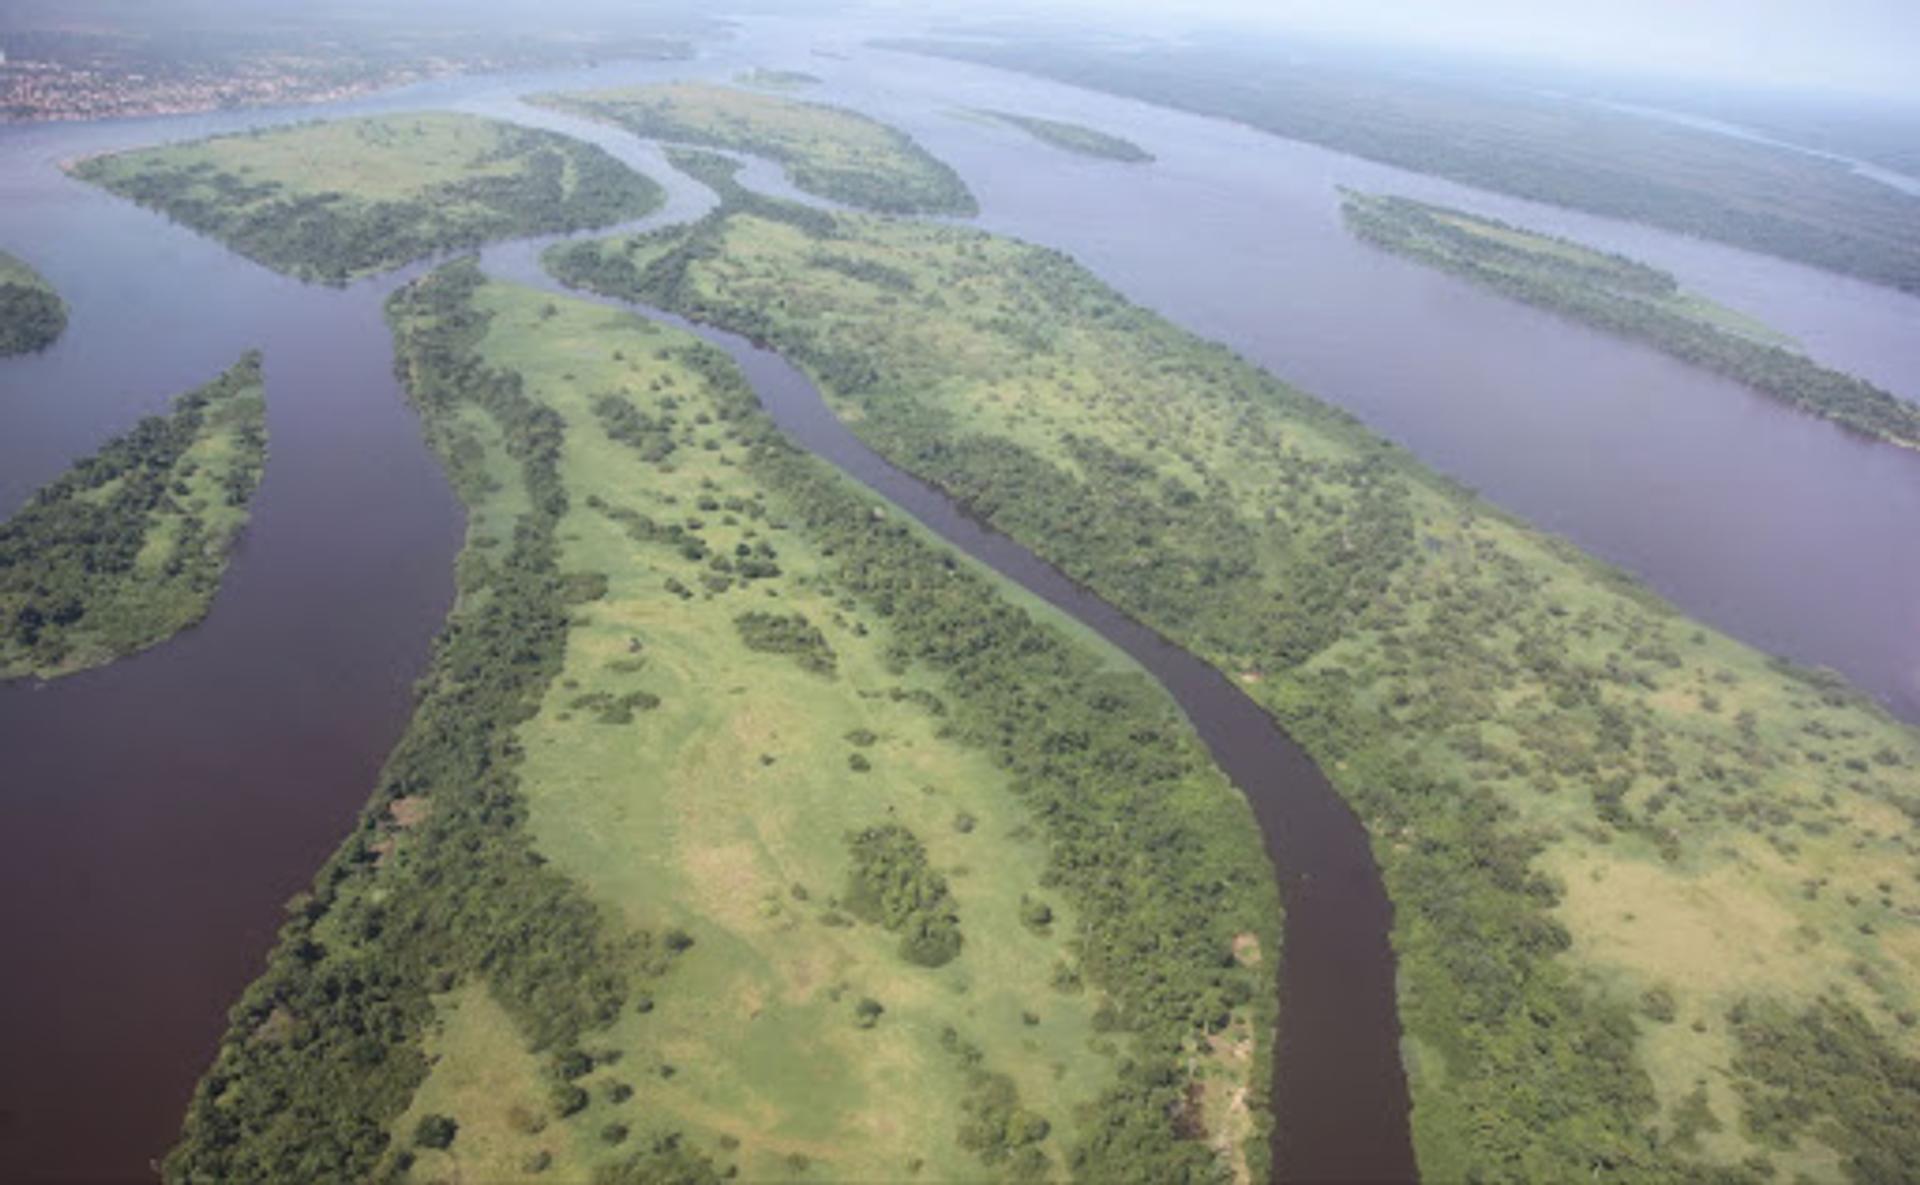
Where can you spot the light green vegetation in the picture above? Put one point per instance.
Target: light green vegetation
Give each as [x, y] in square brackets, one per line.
[829, 151]
[776, 80]
[332, 201]
[1074, 137]
[1629, 856]
[726, 832]
[1622, 296]
[128, 547]
[32, 315]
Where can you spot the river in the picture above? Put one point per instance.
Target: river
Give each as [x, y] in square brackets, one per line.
[160, 809]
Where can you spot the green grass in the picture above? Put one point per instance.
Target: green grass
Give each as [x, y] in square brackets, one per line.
[128, 548]
[333, 201]
[1074, 137]
[32, 315]
[724, 813]
[828, 151]
[1578, 795]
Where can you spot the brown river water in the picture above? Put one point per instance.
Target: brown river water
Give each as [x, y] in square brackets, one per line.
[158, 811]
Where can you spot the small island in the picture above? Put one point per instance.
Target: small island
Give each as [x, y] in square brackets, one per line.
[340, 200]
[830, 152]
[1073, 137]
[1629, 298]
[776, 80]
[32, 315]
[128, 547]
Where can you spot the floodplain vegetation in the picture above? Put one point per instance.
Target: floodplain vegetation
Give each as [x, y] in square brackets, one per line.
[1657, 902]
[742, 827]
[343, 199]
[1074, 137]
[127, 548]
[1507, 138]
[32, 315]
[1631, 299]
[827, 151]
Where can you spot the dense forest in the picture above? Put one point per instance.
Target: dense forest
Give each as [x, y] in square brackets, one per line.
[127, 548]
[32, 315]
[334, 201]
[440, 886]
[1512, 140]
[1624, 297]
[1570, 787]
[828, 151]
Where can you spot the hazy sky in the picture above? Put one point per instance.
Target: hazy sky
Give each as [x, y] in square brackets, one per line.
[1854, 45]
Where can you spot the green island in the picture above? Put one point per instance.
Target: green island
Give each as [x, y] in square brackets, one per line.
[32, 315]
[338, 200]
[127, 548]
[1508, 138]
[742, 827]
[1073, 137]
[777, 80]
[1655, 905]
[1629, 298]
[829, 152]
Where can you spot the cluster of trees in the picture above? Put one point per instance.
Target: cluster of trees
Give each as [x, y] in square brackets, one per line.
[1624, 297]
[790, 634]
[127, 548]
[890, 884]
[32, 315]
[1801, 1070]
[831, 152]
[323, 1051]
[1514, 140]
[559, 184]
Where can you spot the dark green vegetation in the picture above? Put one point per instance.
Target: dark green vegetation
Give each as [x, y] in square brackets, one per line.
[828, 151]
[1564, 151]
[790, 634]
[1073, 137]
[891, 885]
[1628, 298]
[32, 315]
[511, 943]
[333, 201]
[127, 548]
[1609, 834]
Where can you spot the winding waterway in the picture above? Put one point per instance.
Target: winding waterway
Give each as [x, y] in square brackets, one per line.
[159, 810]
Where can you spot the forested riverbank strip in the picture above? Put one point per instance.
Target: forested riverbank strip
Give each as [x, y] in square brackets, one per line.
[1628, 298]
[32, 315]
[127, 549]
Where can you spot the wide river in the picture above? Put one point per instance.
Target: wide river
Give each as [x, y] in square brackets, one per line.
[158, 811]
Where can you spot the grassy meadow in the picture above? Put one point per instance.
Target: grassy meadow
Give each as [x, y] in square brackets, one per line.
[337, 200]
[127, 548]
[1631, 858]
[827, 151]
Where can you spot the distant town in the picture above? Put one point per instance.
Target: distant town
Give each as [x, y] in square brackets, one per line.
[75, 77]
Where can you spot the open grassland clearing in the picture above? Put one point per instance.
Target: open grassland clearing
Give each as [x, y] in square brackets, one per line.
[332, 201]
[1539, 746]
[127, 548]
[831, 152]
